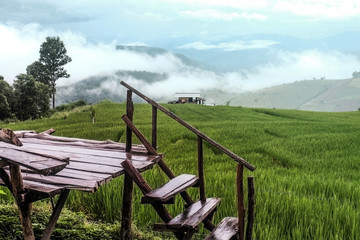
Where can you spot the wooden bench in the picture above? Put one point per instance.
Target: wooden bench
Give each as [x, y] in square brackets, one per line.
[45, 166]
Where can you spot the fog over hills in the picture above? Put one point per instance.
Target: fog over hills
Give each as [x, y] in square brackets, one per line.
[177, 72]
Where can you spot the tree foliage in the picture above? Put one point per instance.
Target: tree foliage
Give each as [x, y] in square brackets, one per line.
[39, 72]
[31, 97]
[6, 99]
[53, 56]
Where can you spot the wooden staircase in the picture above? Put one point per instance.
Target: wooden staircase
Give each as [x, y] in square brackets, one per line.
[185, 225]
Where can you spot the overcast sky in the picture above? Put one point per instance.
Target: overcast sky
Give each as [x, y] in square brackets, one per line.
[151, 21]
[90, 29]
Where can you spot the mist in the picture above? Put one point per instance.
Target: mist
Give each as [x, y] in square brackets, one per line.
[20, 44]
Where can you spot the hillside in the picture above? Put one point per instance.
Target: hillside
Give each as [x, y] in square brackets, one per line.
[307, 164]
[312, 95]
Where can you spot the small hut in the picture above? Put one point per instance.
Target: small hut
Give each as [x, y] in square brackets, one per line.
[193, 98]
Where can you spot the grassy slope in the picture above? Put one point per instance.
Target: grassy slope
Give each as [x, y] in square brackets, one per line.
[307, 177]
[313, 95]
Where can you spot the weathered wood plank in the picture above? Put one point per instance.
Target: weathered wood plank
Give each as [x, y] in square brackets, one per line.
[79, 150]
[171, 188]
[43, 165]
[80, 184]
[50, 189]
[192, 216]
[226, 229]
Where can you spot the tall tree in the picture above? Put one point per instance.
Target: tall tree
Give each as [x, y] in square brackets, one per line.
[53, 56]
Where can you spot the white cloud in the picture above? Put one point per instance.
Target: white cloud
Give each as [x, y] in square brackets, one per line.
[20, 45]
[320, 8]
[214, 14]
[230, 46]
[294, 66]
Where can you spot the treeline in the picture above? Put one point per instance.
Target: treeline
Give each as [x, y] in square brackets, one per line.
[29, 96]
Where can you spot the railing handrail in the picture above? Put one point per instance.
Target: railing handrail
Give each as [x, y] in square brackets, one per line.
[191, 128]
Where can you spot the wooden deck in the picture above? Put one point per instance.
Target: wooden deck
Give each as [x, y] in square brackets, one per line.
[90, 163]
[46, 165]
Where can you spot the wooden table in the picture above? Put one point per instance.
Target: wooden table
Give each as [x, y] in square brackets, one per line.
[48, 165]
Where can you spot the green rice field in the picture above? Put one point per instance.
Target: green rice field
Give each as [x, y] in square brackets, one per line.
[307, 177]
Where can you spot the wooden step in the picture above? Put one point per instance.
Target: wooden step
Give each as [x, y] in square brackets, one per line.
[191, 217]
[226, 229]
[166, 192]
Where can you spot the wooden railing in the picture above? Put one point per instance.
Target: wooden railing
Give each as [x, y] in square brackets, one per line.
[200, 137]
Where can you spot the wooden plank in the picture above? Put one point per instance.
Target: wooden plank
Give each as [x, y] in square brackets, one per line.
[49, 189]
[191, 128]
[110, 161]
[79, 174]
[145, 188]
[43, 165]
[96, 168]
[171, 188]
[79, 150]
[226, 229]
[80, 184]
[192, 216]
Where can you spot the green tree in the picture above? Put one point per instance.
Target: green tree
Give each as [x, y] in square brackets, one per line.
[31, 97]
[53, 56]
[39, 72]
[6, 99]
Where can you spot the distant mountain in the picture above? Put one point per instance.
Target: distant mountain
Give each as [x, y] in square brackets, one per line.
[312, 95]
[104, 87]
[154, 52]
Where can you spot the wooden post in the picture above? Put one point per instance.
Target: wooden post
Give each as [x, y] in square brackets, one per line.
[55, 215]
[251, 208]
[24, 208]
[154, 127]
[201, 168]
[130, 114]
[240, 201]
[125, 231]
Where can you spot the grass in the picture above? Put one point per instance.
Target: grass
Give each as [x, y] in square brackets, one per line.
[307, 177]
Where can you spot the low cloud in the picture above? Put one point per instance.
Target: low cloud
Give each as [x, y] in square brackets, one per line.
[213, 14]
[294, 66]
[230, 46]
